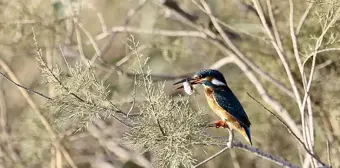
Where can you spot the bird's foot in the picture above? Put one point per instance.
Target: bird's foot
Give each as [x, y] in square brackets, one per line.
[221, 123]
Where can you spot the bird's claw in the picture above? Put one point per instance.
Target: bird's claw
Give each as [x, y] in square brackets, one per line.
[221, 124]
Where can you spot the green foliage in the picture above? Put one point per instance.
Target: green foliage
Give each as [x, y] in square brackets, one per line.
[80, 98]
[182, 127]
[167, 127]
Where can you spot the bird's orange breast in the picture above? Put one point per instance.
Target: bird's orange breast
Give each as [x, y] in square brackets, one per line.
[222, 113]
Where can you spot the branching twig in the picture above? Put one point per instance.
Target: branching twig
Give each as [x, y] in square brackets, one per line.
[144, 76]
[283, 113]
[279, 52]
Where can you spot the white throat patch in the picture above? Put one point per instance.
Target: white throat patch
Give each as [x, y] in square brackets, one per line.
[217, 82]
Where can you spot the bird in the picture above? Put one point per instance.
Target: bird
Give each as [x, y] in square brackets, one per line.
[222, 101]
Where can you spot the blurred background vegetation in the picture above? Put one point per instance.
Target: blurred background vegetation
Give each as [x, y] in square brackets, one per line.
[62, 28]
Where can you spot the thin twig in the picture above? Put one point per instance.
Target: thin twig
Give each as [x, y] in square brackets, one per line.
[290, 131]
[307, 133]
[80, 46]
[93, 42]
[62, 54]
[154, 31]
[274, 26]
[148, 94]
[264, 155]
[328, 153]
[59, 159]
[133, 96]
[255, 151]
[318, 52]
[23, 87]
[293, 35]
[212, 157]
[220, 63]
[39, 114]
[53, 158]
[303, 18]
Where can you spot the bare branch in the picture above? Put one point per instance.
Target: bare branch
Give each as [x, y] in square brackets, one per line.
[318, 52]
[279, 52]
[252, 150]
[23, 87]
[291, 132]
[264, 155]
[273, 22]
[162, 32]
[212, 157]
[303, 18]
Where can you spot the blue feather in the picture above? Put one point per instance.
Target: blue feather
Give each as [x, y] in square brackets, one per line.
[247, 129]
[226, 99]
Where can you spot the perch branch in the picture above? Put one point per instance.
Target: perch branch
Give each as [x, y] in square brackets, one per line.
[250, 149]
[212, 157]
[264, 155]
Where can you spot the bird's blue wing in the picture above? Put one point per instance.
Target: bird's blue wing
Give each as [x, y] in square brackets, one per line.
[228, 101]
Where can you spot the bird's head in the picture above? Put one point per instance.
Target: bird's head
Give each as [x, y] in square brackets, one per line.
[207, 77]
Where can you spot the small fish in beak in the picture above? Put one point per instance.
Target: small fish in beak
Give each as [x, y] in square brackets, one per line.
[187, 85]
[188, 88]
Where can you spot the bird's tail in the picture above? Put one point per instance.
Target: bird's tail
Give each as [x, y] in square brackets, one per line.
[246, 133]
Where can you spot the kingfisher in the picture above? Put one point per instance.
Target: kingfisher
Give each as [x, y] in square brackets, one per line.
[222, 101]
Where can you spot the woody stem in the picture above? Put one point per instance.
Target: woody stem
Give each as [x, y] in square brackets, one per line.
[231, 138]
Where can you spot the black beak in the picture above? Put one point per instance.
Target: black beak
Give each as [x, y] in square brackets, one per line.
[192, 82]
